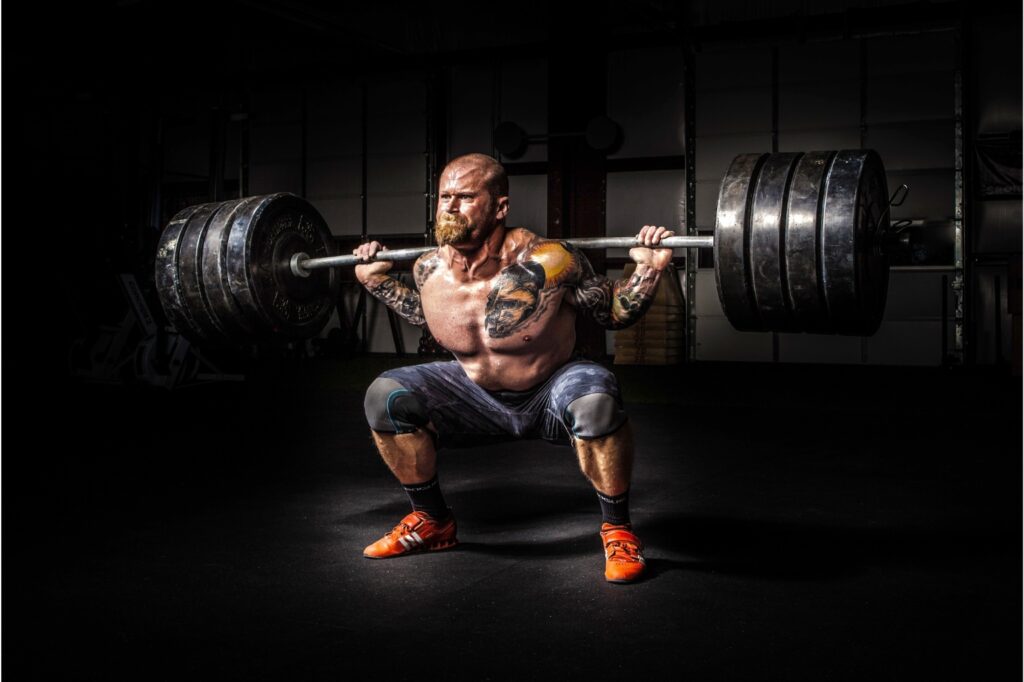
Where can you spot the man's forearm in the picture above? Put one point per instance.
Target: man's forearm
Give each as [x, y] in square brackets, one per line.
[616, 305]
[397, 296]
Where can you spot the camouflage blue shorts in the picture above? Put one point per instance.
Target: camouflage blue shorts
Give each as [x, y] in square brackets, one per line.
[466, 414]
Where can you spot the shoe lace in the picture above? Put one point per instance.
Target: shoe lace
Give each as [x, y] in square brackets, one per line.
[400, 530]
[623, 550]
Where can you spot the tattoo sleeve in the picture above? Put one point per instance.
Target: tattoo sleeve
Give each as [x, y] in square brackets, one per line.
[618, 304]
[398, 297]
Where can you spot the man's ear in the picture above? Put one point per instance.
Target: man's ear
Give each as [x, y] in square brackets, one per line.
[502, 210]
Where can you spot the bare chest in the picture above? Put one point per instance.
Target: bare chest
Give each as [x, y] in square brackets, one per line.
[514, 310]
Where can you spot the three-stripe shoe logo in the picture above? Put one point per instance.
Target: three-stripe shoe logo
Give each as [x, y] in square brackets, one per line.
[411, 540]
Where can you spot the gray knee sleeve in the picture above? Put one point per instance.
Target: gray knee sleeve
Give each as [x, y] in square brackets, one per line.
[392, 408]
[594, 415]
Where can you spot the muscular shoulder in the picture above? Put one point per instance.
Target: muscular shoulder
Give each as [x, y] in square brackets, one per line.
[561, 262]
[425, 266]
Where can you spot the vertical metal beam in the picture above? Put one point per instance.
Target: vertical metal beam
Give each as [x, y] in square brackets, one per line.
[775, 150]
[304, 138]
[959, 244]
[243, 155]
[363, 125]
[864, 143]
[496, 76]
[577, 183]
[218, 129]
[690, 214]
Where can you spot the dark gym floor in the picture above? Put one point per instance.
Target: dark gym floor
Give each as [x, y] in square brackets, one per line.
[801, 523]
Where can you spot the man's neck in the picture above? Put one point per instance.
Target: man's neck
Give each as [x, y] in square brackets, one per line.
[475, 263]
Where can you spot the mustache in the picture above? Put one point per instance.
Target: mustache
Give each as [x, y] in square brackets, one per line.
[451, 228]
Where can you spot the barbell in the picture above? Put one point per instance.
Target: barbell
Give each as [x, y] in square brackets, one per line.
[800, 245]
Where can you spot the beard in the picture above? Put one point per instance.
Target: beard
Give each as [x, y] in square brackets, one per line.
[452, 229]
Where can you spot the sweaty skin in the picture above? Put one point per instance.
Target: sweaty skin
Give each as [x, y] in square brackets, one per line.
[504, 300]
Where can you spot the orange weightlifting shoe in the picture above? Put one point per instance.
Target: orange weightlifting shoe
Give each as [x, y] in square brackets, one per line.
[417, 532]
[623, 554]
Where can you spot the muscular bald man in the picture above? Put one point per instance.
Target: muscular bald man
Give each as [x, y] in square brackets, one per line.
[504, 301]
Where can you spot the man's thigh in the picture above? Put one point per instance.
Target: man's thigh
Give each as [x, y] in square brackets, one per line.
[462, 413]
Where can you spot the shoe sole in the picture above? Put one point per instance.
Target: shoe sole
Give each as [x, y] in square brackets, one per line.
[433, 548]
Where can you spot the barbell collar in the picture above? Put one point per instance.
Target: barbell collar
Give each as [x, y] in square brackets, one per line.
[301, 264]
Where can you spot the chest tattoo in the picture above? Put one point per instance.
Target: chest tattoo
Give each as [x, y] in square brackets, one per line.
[525, 289]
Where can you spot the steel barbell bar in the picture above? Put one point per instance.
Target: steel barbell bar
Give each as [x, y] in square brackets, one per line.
[301, 264]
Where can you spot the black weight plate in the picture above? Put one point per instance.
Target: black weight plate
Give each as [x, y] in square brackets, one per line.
[854, 269]
[803, 230]
[264, 236]
[767, 240]
[166, 277]
[190, 273]
[221, 303]
[732, 241]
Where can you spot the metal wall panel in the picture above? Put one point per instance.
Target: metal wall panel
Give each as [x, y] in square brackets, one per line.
[822, 62]
[819, 348]
[814, 106]
[334, 177]
[819, 140]
[915, 295]
[387, 176]
[186, 149]
[706, 301]
[645, 96]
[906, 343]
[397, 213]
[908, 55]
[399, 133]
[524, 101]
[739, 111]
[635, 199]
[733, 68]
[717, 341]
[993, 320]
[912, 146]
[715, 154]
[716, 338]
[326, 138]
[930, 197]
[997, 228]
[471, 115]
[276, 105]
[920, 97]
[395, 95]
[275, 142]
[343, 215]
[268, 178]
[997, 74]
[528, 202]
[333, 121]
[707, 203]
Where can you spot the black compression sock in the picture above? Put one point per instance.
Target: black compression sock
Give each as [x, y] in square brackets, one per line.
[426, 497]
[614, 510]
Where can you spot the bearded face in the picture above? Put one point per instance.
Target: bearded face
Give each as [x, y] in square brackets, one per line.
[452, 228]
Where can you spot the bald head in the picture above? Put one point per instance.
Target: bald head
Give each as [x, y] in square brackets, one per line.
[495, 178]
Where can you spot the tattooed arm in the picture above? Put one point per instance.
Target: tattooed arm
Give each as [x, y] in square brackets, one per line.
[394, 294]
[616, 305]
